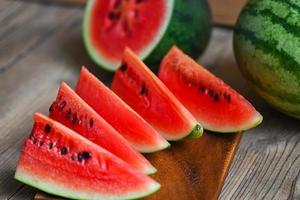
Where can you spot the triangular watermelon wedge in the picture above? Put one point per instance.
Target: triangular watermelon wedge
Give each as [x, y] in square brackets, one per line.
[116, 112]
[70, 110]
[61, 162]
[213, 103]
[148, 96]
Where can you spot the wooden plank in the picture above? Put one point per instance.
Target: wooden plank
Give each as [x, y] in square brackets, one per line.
[226, 12]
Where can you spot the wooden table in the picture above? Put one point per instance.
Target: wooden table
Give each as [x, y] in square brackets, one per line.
[40, 45]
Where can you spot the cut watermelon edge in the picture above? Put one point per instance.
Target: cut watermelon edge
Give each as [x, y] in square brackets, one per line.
[46, 186]
[196, 132]
[254, 122]
[104, 62]
[162, 146]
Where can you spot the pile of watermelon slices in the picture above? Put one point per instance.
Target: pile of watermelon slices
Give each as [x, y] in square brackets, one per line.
[90, 145]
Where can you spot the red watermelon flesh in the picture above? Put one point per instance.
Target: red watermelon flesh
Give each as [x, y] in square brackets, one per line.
[70, 110]
[116, 112]
[149, 97]
[124, 22]
[214, 104]
[61, 162]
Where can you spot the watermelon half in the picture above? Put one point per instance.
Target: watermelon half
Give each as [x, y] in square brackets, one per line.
[116, 112]
[70, 110]
[61, 162]
[149, 28]
[213, 103]
[148, 96]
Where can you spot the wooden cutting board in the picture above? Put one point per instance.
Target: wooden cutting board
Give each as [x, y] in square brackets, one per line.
[191, 169]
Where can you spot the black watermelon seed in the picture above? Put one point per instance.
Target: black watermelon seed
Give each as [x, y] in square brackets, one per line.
[51, 145]
[201, 89]
[41, 143]
[91, 123]
[114, 16]
[73, 157]
[83, 156]
[68, 114]
[143, 90]
[47, 128]
[34, 141]
[211, 93]
[227, 97]
[63, 151]
[138, 1]
[51, 108]
[216, 97]
[123, 67]
[74, 119]
[117, 4]
[62, 105]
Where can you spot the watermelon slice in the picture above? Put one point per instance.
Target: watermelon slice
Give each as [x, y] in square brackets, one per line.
[214, 104]
[109, 26]
[70, 110]
[149, 28]
[61, 162]
[149, 97]
[126, 121]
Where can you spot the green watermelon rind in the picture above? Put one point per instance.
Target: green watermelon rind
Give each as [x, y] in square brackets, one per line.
[47, 187]
[103, 61]
[189, 29]
[266, 48]
[196, 132]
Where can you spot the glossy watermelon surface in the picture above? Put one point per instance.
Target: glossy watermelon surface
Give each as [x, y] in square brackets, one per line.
[61, 162]
[70, 110]
[116, 112]
[149, 97]
[213, 103]
[267, 50]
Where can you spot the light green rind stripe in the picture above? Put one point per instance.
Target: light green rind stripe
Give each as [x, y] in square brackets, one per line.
[290, 108]
[267, 49]
[275, 49]
[280, 12]
[263, 68]
[60, 190]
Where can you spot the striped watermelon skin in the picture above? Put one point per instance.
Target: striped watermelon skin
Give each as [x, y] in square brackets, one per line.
[189, 29]
[267, 50]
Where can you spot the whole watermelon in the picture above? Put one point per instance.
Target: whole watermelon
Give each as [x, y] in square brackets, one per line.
[149, 28]
[267, 50]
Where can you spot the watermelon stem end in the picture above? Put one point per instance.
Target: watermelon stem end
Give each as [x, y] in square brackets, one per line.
[196, 132]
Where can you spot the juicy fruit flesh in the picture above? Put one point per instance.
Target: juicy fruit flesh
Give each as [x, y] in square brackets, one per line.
[82, 171]
[144, 92]
[126, 121]
[213, 103]
[127, 23]
[70, 110]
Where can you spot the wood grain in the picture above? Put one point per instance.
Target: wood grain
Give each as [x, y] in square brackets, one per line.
[41, 45]
[226, 12]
